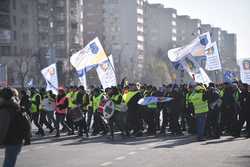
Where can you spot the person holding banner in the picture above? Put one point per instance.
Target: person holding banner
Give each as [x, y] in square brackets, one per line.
[131, 97]
[199, 101]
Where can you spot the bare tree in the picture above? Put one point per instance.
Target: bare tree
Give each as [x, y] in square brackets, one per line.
[23, 65]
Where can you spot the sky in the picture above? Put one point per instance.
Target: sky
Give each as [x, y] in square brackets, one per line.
[230, 15]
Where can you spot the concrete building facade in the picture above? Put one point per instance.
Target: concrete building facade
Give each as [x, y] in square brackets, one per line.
[119, 25]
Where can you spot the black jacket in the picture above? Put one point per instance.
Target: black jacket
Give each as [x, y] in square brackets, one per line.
[16, 125]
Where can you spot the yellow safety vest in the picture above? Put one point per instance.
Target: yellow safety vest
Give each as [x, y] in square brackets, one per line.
[200, 106]
[71, 99]
[96, 102]
[115, 98]
[33, 105]
[128, 96]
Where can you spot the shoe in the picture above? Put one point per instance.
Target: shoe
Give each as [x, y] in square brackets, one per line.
[27, 143]
[51, 130]
[139, 134]
[42, 134]
[70, 133]
[94, 134]
[57, 135]
[104, 133]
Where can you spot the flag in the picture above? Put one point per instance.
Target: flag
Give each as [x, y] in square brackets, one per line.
[82, 77]
[196, 48]
[213, 58]
[92, 54]
[229, 76]
[194, 70]
[152, 99]
[245, 70]
[106, 73]
[50, 75]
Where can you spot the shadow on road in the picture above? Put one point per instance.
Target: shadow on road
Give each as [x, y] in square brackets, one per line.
[179, 142]
[230, 139]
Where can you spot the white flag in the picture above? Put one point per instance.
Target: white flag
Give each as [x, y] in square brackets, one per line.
[194, 70]
[245, 70]
[106, 73]
[213, 58]
[91, 55]
[50, 75]
[196, 48]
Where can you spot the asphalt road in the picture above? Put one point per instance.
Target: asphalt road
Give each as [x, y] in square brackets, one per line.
[182, 151]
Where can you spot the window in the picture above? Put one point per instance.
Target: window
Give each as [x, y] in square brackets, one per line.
[81, 27]
[14, 20]
[5, 50]
[81, 2]
[140, 20]
[140, 47]
[140, 28]
[174, 38]
[140, 38]
[173, 23]
[174, 15]
[14, 4]
[81, 15]
[139, 11]
[174, 30]
[14, 35]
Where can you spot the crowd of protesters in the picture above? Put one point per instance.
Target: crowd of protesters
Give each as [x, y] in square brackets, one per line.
[206, 111]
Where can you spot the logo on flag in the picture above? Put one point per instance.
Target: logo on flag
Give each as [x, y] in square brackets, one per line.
[94, 48]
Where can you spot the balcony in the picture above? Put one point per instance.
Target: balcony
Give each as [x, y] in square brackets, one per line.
[60, 17]
[43, 1]
[43, 29]
[60, 4]
[60, 30]
[43, 14]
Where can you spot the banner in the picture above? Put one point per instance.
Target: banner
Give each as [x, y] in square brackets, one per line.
[229, 76]
[213, 58]
[152, 99]
[50, 75]
[106, 73]
[196, 48]
[194, 70]
[82, 77]
[91, 55]
[245, 71]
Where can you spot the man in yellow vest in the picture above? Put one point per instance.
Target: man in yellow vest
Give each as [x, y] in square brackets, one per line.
[82, 101]
[199, 101]
[134, 119]
[98, 125]
[71, 95]
[35, 110]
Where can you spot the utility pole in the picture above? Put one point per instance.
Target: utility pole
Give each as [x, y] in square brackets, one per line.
[68, 37]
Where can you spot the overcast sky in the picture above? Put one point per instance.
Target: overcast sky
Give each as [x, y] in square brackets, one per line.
[230, 15]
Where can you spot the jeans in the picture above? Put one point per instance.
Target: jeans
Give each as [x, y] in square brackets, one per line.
[60, 119]
[11, 153]
[200, 124]
[51, 118]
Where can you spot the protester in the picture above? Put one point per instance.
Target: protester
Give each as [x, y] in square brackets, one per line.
[14, 127]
